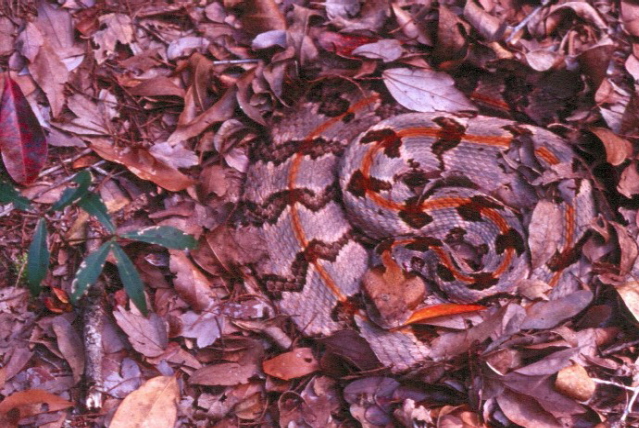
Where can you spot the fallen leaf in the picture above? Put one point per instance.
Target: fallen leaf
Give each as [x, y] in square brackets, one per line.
[425, 90]
[387, 50]
[143, 164]
[293, 364]
[222, 110]
[147, 335]
[115, 27]
[22, 140]
[33, 402]
[629, 293]
[618, 149]
[154, 404]
[629, 182]
[542, 315]
[70, 345]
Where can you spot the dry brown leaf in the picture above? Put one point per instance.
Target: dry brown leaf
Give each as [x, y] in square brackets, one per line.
[629, 293]
[70, 345]
[543, 59]
[224, 374]
[243, 95]
[583, 10]
[451, 36]
[412, 28]
[222, 110]
[370, 400]
[629, 182]
[33, 402]
[618, 149]
[543, 235]
[391, 293]
[595, 61]
[318, 402]
[259, 15]
[190, 284]
[7, 36]
[154, 404]
[575, 383]
[140, 162]
[425, 90]
[387, 50]
[521, 410]
[544, 315]
[160, 86]
[627, 246]
[147, 335]
[290, 365]
[49, 72]
[114, 28]
[489, 26]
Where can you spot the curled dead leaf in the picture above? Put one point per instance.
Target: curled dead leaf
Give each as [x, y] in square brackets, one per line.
[629, 293]
[143, 164]
[618, 149]
[629, 182]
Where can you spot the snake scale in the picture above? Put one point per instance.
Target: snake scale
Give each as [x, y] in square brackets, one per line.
[348, 183]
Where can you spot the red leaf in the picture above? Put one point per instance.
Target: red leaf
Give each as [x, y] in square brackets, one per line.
[22, 141]
[444, 309]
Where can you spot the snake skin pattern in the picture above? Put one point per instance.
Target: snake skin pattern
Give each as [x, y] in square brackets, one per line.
[449, 197]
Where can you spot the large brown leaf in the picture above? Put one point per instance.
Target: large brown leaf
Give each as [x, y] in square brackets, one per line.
[22, 141]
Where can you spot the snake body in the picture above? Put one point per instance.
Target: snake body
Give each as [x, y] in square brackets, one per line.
[451, 198]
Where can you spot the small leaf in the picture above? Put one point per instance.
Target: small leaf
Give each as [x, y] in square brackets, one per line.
[89, 270]
[70, 195]
[22, 140]
[9, 194]
[167, 236]
[38, 259]
[130, 278]
[425, 90]
[94, 205]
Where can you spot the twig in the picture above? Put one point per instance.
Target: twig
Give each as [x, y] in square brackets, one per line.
[526, 20]
[93, 319]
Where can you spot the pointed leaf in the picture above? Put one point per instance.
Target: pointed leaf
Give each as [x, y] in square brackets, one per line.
[94, 205]
[90, 270]
[442, 310]
[167, 236]
[38, 259]
[22, 140]
[70, 195]
[9, 194]
[425, 90]
[130, 278]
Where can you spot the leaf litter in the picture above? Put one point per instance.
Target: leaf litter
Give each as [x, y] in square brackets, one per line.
[171, 95]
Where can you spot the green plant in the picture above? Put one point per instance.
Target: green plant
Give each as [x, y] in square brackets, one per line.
[91, 267]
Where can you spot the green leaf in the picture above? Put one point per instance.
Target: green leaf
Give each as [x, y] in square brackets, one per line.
[8, 194]
[89, 270]
[167, 236]
[94, 205]
[130, 278]
[70, 195]
[38, 259]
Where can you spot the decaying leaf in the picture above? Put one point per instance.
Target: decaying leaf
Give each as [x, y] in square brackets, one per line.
[154, 404]
[290, 365]
[425, 90]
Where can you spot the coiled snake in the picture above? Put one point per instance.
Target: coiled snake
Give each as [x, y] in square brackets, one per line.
[448, 198]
